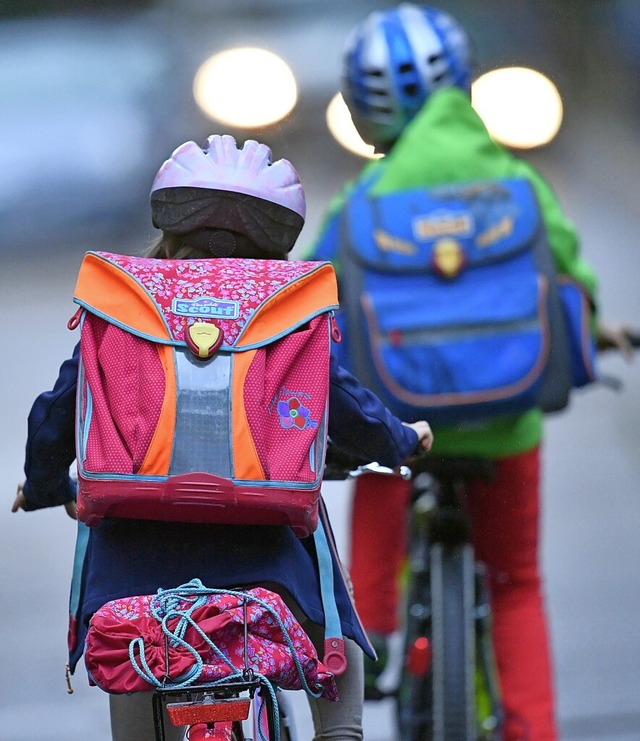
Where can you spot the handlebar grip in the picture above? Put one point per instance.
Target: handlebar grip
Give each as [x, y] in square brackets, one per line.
[611, 382]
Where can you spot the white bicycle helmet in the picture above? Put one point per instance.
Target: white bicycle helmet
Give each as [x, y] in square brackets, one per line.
[218, 196]
[392, 63]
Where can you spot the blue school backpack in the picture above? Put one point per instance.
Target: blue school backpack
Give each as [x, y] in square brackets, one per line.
[451, 306]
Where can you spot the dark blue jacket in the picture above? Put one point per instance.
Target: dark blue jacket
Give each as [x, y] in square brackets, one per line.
[122, 558]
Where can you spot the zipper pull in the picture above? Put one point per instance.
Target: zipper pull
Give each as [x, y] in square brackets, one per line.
[75, 319]
[336, 334]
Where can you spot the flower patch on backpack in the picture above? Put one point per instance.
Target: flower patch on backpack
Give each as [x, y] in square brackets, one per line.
[295, 415]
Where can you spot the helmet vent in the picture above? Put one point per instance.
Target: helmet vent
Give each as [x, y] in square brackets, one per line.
[406, 67]
[411, 90]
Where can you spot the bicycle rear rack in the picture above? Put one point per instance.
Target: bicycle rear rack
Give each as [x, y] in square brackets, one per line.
[225, 701]
[203, 703]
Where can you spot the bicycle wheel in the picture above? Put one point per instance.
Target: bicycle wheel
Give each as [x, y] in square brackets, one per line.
[436, 698]
[237, 732]
[488, 699]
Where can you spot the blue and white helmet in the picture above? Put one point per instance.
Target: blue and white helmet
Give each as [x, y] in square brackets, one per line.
[392, 63]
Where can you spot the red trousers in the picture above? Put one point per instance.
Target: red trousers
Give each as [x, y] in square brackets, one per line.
[505, 518]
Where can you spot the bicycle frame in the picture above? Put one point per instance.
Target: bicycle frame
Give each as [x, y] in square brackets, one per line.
[448, 687]
[451, 692]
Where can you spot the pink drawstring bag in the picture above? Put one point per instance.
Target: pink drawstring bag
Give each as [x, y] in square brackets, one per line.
[189, 635]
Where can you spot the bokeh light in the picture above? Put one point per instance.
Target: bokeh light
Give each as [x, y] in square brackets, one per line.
[343, 130]
[245, 88]
[520, 107]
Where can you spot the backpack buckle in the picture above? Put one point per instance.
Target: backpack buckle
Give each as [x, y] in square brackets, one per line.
[203, 339]
[448, 258]
[334, 656]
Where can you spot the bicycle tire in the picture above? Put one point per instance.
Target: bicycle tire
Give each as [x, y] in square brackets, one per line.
[440, 705]
[237, 732]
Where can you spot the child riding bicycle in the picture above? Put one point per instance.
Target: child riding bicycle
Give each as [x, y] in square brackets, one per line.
[406, 79]
[214, 201]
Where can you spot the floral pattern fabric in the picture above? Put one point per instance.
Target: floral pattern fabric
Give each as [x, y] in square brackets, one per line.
[249, 283]
[119, 623]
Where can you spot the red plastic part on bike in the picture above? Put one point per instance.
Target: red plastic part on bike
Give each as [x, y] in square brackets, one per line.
[334, 656]
[190, 713]
[204, 732]
[419, 658]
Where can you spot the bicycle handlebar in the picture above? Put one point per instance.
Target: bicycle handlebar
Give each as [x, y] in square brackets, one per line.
[613, 382]
[341, 465]
[375, 467]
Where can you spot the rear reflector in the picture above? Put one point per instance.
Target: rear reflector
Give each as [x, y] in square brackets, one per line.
[419, 658]
[208, 711]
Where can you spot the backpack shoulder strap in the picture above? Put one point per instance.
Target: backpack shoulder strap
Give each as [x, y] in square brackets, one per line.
[334, 655]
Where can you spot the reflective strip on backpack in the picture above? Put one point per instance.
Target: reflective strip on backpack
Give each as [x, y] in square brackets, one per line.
[203, 416]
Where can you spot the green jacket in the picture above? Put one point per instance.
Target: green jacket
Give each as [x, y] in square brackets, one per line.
[448, 142]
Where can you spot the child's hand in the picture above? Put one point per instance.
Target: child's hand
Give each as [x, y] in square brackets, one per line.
[616, 337]
[423, 430]
[20, 499]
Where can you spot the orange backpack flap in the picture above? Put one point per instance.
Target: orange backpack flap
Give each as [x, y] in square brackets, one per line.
[291, 306]
[107, 290]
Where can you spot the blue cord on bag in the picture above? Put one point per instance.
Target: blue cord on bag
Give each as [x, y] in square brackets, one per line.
[180, 603]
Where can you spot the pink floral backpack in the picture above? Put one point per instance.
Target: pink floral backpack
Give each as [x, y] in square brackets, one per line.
[203, 389]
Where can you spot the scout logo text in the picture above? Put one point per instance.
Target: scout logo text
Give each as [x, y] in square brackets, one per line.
[206, 306]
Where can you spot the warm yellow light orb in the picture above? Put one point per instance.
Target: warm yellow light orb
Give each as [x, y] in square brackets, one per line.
[245, 88]
[520, 107]
[343, 130]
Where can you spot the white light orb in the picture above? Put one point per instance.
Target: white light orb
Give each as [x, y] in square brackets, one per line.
[520, 107]
[245, 88]
[343, 130]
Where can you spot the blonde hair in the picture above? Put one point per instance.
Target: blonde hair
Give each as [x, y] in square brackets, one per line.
[174, 247]
[171, 247]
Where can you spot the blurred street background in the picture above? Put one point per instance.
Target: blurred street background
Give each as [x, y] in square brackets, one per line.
[94, 96]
